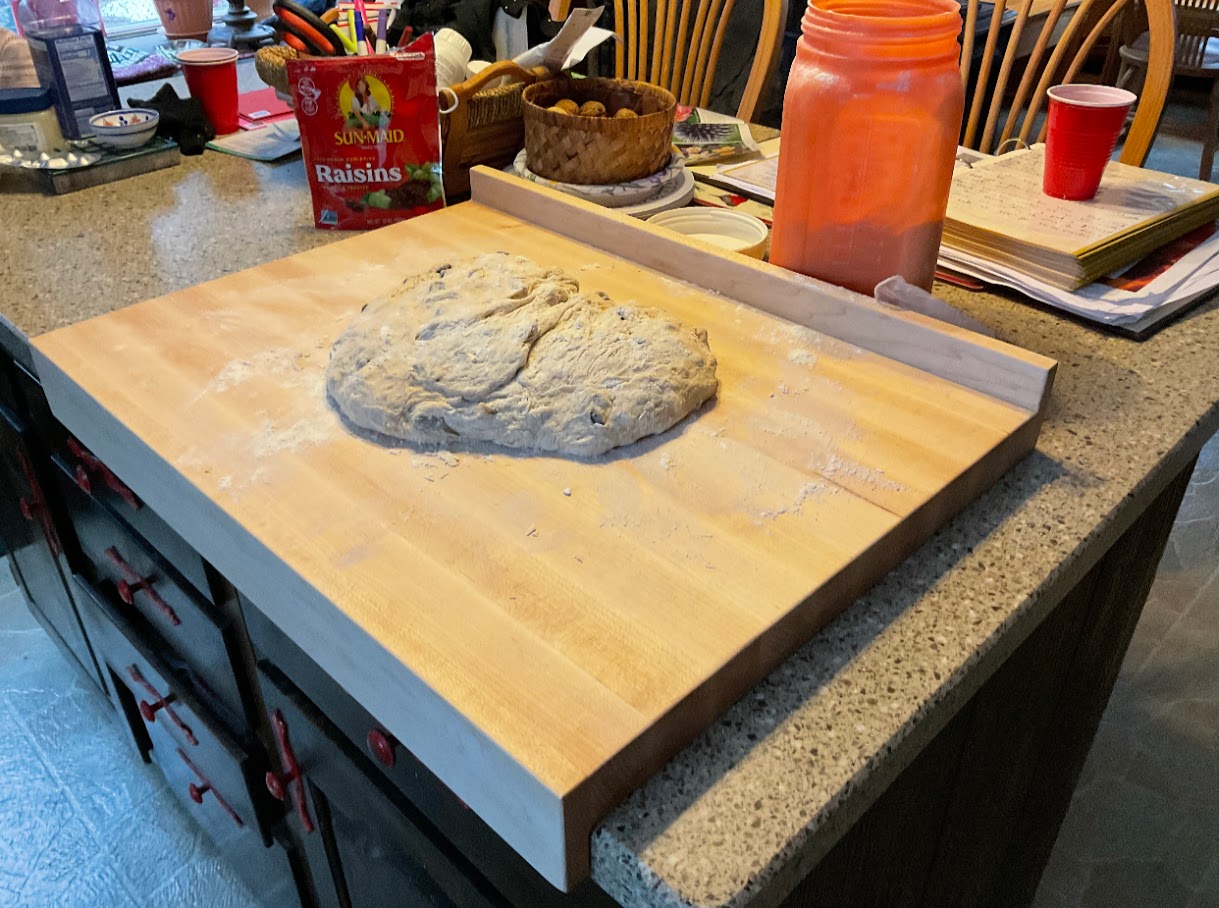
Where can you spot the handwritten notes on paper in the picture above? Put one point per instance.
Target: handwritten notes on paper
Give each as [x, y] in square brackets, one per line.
[1006, 197]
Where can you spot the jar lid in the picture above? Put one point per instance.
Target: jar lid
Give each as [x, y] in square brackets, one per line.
[24, 100]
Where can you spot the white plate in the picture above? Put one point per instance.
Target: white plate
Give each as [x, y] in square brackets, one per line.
[610, 195]
[678, 195]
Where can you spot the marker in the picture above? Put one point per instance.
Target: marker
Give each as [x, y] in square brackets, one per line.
[361, 15]
[382, 15]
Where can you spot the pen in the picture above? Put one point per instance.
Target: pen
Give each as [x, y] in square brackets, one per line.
[361, 15]
[382, 15]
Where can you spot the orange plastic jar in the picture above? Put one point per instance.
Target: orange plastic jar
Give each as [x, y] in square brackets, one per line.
[870, 125]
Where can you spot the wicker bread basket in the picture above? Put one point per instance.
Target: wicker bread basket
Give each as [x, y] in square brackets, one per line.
[485, 126]
[588, 150]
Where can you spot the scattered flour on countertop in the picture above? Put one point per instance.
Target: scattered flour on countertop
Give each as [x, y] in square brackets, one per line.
[665, 461]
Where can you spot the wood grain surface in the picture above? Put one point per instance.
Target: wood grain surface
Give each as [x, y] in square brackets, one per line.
[541, 632]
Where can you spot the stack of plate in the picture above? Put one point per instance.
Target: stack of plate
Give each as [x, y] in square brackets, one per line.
[672, 187]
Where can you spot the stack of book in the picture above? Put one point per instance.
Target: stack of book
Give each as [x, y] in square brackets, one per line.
[1002, 229]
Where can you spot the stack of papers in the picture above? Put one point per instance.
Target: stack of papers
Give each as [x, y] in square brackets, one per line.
[1134, 300]
[997, 213]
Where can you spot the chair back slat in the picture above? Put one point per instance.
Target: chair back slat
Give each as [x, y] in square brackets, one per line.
[1005, 72]
[1046, 66]
[677, 43]
[988, 56]
[1031, 69]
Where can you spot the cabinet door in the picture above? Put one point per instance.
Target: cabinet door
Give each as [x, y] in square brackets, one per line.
[30, 535]
[366, 844]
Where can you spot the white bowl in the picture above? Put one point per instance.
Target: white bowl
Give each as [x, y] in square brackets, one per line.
[720, 227]
[126, 128]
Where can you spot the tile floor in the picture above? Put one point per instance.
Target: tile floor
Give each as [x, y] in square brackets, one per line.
[1143, 828]
[82, 823]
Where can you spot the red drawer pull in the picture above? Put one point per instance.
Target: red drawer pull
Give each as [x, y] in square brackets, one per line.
[90, 462]
[381, 744]
[149, 710]
[197, 792]
[133, 583]
[37, 505]
[280, 787]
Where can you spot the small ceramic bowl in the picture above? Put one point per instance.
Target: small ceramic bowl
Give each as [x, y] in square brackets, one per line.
[127, 128]
[730, 230]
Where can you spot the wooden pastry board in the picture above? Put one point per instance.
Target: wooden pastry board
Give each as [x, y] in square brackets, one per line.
[544, 633]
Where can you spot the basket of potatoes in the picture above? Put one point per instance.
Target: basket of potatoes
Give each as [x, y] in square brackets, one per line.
[589, 131]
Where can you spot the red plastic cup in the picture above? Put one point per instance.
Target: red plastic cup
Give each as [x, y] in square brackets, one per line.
[211, 76]
[1085, 121]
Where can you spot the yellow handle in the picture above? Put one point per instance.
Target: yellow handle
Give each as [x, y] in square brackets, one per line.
[348, 44]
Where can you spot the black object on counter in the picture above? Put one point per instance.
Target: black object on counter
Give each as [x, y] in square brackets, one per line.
[182, 119]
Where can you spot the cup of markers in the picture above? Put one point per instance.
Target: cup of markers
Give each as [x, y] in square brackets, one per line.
[340, 32]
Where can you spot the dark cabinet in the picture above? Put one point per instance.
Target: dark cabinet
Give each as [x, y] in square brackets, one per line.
[217, 781]
[29, 532]
[367, 847]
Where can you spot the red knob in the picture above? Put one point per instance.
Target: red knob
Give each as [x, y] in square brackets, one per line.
[27, 510]
[381, 744]
[196, 792]
[275, 787]
[127, 590]
[149, 710]
[83, 481]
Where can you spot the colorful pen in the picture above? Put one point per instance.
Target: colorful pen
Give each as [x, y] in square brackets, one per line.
[361, 14]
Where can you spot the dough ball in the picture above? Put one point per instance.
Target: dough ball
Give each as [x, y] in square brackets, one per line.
[625, 113]
[569, 106]
[559, 110]
[503, 350]
[592, 109]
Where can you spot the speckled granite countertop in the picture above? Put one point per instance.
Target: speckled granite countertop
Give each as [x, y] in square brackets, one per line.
[746, 810]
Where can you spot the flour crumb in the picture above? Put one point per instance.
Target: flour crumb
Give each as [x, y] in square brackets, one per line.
[567, 492]
[665, 461]
[447, 459]
[226, 483]
[802, 357]
[781, 389]
[533, 531]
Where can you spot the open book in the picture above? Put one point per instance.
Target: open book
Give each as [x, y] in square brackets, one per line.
[998, 213]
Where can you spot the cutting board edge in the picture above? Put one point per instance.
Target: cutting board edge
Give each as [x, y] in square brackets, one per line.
[602, 792]
[993, 367]
[544, 840]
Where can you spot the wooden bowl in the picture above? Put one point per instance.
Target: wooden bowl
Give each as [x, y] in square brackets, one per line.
[598, 150]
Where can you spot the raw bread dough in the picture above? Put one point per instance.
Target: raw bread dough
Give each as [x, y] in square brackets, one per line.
[500, 349]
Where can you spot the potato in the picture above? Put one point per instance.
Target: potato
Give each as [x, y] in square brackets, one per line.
[625, 113]
[568, 106]
[559, 110]
[592, 109]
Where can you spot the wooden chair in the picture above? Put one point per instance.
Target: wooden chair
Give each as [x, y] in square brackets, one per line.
[684, 49]
[1051, 64]
[1197, 56]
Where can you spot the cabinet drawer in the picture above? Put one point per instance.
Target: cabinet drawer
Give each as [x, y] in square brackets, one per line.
[382, 852]
[171, 712]
[265, 869]
[134, 577]
[96, 479]
[29, 533]
[494, 858]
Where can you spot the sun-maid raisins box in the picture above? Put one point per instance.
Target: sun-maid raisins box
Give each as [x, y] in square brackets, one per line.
[370, 134]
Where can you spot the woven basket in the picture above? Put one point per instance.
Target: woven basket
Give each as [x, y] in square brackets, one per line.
[588, 150]
[485, 126]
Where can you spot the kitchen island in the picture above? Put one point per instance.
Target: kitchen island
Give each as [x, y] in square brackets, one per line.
[948, 709]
